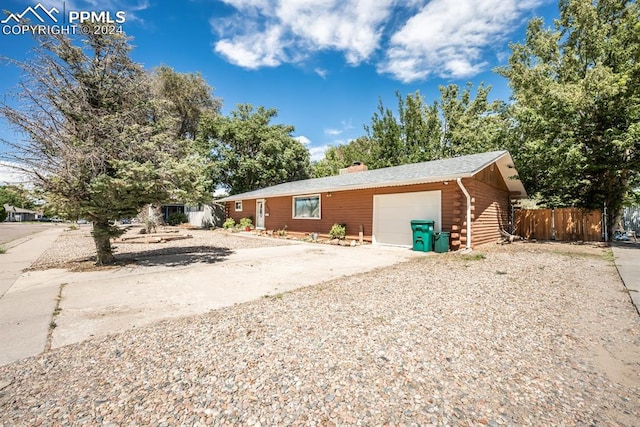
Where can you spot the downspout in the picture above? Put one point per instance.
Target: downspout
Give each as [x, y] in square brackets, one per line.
[466, 194]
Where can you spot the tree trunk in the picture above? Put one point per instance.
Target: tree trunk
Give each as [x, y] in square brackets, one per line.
[101, 237]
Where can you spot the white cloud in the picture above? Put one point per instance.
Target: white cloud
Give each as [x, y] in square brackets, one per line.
[254, 50]
[332, 132]
[303, 140]
[321, 72]
[449, 39]
[347, 125]
[353, 27]
[10, 174]
[317, 153]
[427, 37]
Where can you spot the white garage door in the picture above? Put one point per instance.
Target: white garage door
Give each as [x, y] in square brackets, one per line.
[392, 215]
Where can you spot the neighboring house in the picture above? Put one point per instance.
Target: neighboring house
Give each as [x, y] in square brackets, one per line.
[204, 215]
[468, 196]
[18, 214]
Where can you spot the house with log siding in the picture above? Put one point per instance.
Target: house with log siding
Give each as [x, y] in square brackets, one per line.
[468, 196]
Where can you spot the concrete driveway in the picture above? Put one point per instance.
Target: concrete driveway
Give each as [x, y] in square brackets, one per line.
[53, 308]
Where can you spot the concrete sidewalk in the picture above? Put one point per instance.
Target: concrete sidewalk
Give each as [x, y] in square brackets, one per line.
[24, 316]
[627, 259]
[98, 303]
[23, 252]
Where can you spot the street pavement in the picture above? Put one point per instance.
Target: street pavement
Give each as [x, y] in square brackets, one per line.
[12, 233]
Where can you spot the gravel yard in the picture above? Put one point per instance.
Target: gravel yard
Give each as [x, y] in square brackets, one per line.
[528, 334]
[75, 248]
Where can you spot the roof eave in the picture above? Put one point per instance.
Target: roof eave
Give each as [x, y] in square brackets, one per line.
[509, 173]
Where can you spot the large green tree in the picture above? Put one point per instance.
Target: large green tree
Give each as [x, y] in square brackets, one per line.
[455, 124]
[248, 152]
[576, 92]
[412, 134]
[470, 125]
[97, 139]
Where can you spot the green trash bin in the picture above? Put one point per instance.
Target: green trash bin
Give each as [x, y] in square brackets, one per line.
[441, 242]
[422, 235]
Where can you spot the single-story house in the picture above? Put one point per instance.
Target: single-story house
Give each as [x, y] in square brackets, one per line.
[15, 214]
[468, 196]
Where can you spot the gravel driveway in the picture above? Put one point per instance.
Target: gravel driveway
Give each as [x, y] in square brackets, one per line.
[529, 334]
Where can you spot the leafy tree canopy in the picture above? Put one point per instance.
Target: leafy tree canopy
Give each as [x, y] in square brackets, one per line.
[247, 152]
[576, 90]
[455, 124]
[17, 196]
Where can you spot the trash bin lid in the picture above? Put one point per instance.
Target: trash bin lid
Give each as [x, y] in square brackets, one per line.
[422, 221]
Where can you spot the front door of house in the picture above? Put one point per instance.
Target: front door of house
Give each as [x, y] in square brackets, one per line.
[259, 213]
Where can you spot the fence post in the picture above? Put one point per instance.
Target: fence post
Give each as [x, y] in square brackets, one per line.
[604, 223]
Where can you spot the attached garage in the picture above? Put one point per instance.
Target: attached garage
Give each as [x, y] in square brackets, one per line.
[392, 215]
[467, 196]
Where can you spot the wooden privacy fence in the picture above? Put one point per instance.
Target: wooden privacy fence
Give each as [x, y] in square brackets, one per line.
[565, 224]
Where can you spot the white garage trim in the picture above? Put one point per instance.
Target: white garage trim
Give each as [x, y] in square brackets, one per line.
[392, 215]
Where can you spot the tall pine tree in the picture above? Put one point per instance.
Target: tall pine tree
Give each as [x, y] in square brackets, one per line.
[97, 139]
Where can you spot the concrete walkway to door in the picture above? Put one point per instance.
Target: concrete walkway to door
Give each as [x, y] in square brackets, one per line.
[84, 305]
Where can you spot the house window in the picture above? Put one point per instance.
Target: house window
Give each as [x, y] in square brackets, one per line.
[239, 206]
[306, 207]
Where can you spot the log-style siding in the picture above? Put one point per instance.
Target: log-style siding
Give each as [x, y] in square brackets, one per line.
[490, 206]
[353, 208]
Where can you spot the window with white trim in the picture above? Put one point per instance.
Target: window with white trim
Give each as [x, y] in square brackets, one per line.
[306, 207]
[239, 206]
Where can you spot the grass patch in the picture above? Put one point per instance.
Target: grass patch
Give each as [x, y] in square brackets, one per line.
[476, 256]
[276, 296]
[608, 256]
[577, 254]
[2, 250]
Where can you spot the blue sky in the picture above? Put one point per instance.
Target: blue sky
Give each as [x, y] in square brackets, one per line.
[322, 64]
